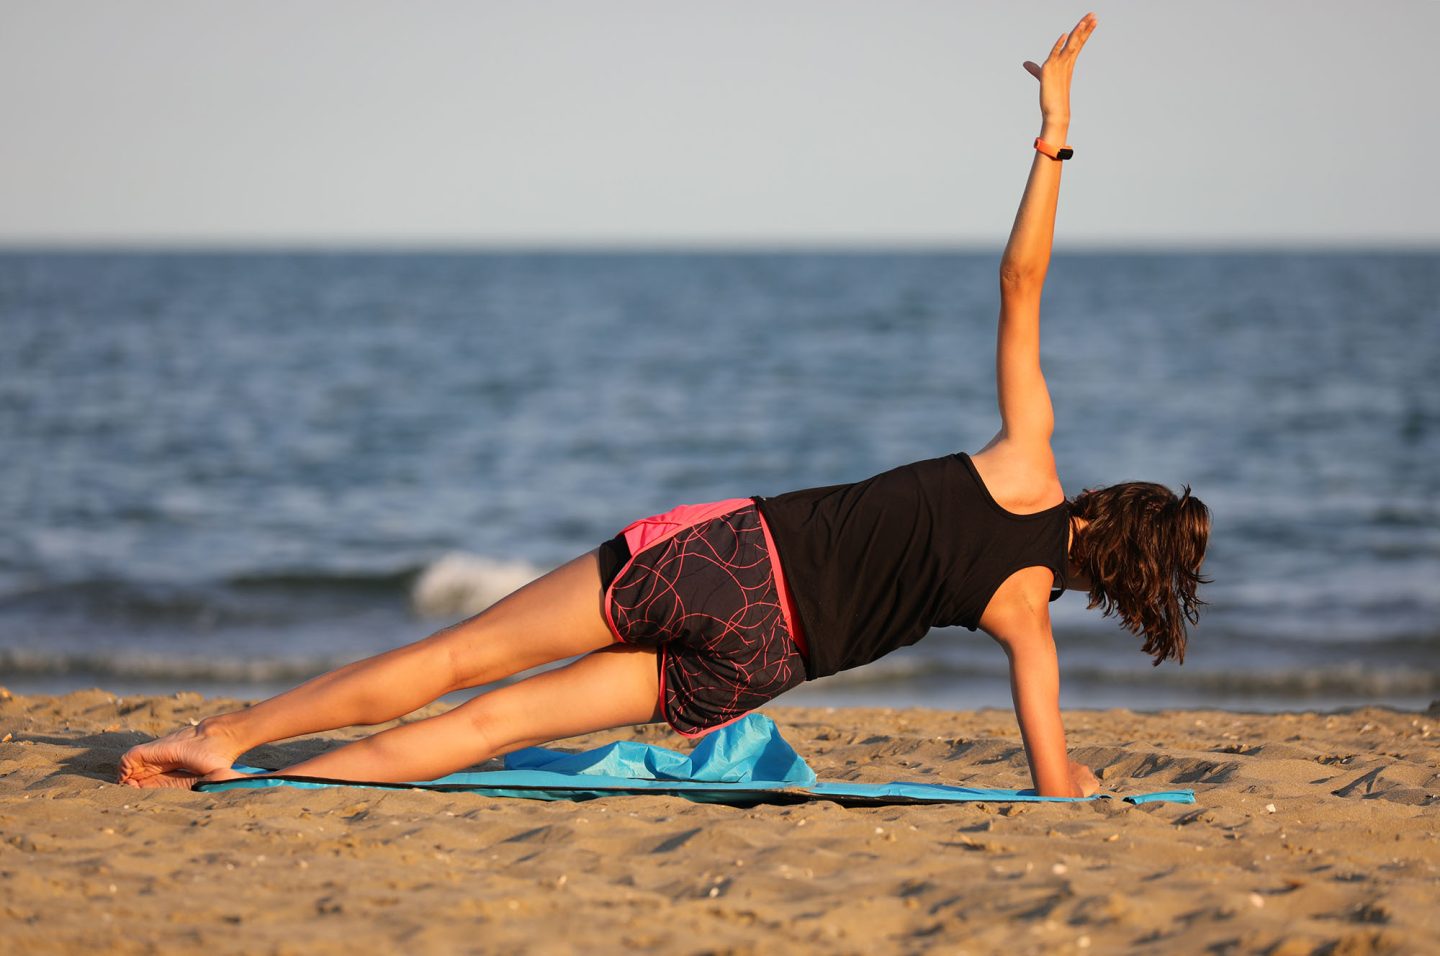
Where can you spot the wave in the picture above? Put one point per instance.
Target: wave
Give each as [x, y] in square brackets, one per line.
[109, 598]
[457, 584]
[461, 584]
[15, 662]
[326, 580]
[1342, 680]
[1358, 682]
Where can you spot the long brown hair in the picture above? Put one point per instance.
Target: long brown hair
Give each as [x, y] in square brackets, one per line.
[1141, 548]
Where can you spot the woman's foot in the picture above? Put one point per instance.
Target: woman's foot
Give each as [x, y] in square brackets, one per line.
[178, 759]
[216, 776]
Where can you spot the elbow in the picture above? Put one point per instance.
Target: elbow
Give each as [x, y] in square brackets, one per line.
[1017, 278]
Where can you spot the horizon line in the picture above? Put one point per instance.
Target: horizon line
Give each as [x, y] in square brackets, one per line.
[697, 245]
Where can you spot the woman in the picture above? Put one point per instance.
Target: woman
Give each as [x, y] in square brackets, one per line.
[704, 613]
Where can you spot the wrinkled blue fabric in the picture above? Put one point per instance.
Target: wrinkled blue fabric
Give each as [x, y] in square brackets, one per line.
[749, 750]
[743, 763]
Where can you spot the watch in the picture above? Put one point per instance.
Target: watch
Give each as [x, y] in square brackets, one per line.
[1054, 152]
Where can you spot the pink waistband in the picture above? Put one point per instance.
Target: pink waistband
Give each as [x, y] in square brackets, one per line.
[787, 604]
[647, 531]
[641, 534]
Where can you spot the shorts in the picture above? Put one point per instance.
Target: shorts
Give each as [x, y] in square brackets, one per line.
[699, 584]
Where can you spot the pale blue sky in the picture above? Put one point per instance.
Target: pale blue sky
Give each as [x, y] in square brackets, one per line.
[775, 122]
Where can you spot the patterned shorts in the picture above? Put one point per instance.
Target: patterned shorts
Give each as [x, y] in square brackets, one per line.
[699, 585]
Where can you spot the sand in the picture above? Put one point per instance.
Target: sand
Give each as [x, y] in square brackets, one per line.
[1314, 833]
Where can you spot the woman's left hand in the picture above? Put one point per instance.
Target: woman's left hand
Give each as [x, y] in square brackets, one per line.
[1055, 73]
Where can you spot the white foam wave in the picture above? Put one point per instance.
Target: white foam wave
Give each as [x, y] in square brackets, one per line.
[460, 584]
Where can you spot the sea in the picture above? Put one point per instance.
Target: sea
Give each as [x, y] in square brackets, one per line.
[225, 472]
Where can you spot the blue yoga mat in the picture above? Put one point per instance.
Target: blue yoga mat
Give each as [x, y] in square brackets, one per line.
[746, 762]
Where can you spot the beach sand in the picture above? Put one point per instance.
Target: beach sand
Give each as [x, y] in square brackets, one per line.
[1314, 833]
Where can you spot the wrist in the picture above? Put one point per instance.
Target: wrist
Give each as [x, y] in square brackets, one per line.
[1055, 132]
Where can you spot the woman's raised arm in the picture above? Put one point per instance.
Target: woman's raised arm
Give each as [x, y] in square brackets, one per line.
[1025, 408]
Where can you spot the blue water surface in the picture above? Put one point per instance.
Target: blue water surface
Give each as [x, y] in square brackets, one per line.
[226, 472]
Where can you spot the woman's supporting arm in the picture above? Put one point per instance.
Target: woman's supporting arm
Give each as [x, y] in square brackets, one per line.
[1025, 408]
[1035, 689]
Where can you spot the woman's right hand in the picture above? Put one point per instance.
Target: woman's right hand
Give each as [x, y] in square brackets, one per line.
[1084, 780]
[1055, 73]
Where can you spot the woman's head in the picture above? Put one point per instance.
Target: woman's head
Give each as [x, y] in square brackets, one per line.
[1140, 547]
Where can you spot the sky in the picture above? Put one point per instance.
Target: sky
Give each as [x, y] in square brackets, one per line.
[742, 123]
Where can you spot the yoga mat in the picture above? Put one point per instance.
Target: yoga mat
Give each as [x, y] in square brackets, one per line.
[744, 763]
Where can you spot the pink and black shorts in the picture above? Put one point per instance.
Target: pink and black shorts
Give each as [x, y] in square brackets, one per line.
[701, 585]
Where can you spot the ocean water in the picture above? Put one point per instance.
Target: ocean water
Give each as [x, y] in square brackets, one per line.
[226, 472]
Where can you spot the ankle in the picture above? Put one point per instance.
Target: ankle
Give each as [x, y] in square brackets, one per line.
[221, 731]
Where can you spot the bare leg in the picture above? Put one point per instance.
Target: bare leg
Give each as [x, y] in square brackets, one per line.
[614, 687]
[555, 617]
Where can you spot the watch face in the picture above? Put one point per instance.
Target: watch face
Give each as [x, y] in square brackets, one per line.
[1064, 152]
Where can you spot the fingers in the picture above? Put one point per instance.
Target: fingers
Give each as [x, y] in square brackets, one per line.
[1078, 36]
[1067, 47]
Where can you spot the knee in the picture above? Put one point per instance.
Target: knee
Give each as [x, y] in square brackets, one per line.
[454, 665]
[452, 662]
[484, 728]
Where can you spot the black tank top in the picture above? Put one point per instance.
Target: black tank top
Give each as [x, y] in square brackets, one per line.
[873, 565]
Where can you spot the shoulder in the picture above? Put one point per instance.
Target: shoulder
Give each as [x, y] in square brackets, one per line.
[1021, 477]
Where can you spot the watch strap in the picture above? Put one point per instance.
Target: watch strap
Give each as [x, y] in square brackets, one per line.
[1054, 152]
